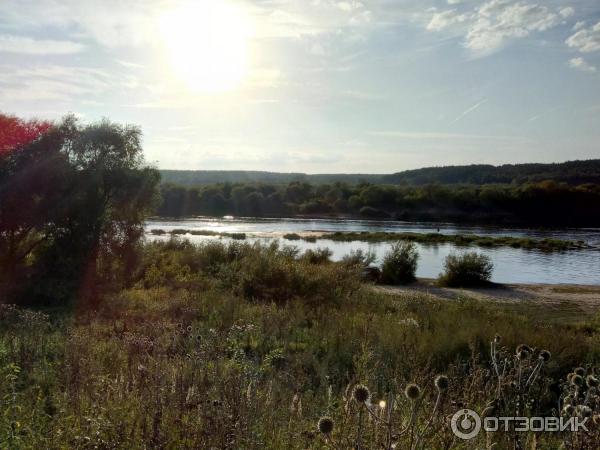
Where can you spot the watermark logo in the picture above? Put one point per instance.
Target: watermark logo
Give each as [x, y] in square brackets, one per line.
[466, 424]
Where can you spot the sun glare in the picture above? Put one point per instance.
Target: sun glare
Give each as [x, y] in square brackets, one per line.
[207, 45]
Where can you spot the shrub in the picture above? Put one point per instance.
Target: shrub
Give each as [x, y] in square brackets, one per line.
[317, 256]
[273, 276]
[359, 258]
[400, 263]
[468, 269]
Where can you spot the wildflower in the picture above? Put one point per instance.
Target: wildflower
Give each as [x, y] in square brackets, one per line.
[579, 371]
[412, 391]
[591, 381]
[361, 393]
[441, 383]
[545, 355]
[325, 425]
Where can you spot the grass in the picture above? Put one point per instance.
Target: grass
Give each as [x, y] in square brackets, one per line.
[189, 358]
[461, 240]
[458, 239]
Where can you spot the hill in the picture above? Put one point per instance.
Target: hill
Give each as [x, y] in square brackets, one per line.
[571, 172]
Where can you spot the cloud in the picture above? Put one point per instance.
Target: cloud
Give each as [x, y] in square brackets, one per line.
[445, 19]
[26, 45]
[581, 64]
[490, 26]
[54, 83]
[567, 12]
[469, 110]
[112, 23]
[586, 40]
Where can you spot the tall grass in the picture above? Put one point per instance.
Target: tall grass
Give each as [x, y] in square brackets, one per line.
[247, 346]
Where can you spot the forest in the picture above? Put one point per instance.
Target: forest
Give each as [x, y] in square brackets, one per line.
[571, 172]
[543, 203]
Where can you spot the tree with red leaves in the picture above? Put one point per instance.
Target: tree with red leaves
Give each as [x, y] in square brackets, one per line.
[16, 132]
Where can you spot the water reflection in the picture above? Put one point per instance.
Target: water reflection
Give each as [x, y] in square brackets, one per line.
[510, 265]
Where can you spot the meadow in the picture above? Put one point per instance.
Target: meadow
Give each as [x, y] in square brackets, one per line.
[240, 346]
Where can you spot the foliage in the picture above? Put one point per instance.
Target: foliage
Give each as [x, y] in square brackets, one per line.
[253, 271]
[400, 263]
[16, 133]
[467, 269]
[359, 258]
[572, 172]
[532, 203]
[73, 204]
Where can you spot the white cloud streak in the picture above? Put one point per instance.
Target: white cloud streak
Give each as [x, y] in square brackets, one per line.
[469, 110]
[29, 46]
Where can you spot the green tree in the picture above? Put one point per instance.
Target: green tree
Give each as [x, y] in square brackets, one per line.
[89, 192]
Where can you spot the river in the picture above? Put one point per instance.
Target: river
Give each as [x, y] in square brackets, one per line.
[510, 265]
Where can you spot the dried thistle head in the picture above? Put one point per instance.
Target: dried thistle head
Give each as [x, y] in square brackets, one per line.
[361, 393]
[412, 391]
[325, 425]
[523, 351]
[568, 410]
[591, 381]
[487, 412]
[584, 411]
[441, 383]
[545, 355]
[579, 371]
[497, 339]
[577, 380]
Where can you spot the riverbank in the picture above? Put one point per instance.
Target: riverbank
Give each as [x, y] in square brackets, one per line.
[554, 302]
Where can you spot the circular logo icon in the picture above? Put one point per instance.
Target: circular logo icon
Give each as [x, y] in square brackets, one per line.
[466, 424]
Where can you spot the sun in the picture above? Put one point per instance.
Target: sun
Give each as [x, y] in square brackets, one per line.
[207, 45]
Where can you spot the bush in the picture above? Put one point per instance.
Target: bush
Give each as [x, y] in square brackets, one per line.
[359, 258]
[317, 256]
[400, 263]
[468, 269]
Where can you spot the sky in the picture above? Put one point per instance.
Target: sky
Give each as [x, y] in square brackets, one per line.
[316, 86]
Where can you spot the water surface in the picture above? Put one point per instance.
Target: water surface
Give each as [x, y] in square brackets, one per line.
[510, 265]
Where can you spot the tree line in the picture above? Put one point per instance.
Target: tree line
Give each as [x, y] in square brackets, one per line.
[570, 172]
[544, 203]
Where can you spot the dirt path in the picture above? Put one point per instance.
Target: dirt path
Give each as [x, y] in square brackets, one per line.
[584, 298]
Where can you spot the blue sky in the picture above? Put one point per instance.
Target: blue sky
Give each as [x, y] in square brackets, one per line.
[319, 86]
